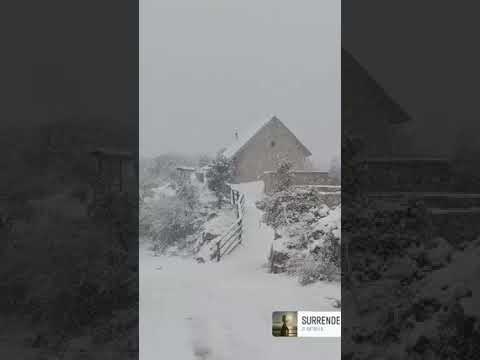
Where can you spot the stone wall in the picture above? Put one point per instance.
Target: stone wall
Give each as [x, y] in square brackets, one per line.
[301, 177]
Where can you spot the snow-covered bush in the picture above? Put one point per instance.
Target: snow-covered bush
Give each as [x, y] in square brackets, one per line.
[315, 268]
[167, 221]
[218, 175]
[321, 261]
[181, 216]
[287, 207]
[307, 244]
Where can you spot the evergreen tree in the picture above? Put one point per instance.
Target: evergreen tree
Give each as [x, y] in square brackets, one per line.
[284, 176]
[219, 174]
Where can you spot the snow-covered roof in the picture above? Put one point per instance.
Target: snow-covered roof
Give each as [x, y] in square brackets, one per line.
[246, 136]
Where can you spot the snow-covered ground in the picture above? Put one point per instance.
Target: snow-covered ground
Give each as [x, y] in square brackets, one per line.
[223, 311]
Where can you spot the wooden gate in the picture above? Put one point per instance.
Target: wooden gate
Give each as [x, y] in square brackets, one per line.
[233, 236]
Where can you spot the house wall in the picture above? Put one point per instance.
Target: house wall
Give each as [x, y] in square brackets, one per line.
[271, 144]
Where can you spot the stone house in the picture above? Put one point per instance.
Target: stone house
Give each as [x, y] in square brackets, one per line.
[185, 172]
[262, 148]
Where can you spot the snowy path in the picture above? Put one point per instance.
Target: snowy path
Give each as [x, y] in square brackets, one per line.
[222, 311]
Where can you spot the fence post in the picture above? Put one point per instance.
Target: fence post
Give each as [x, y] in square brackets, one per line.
[272, 260]
[218, 251]
[241, 231]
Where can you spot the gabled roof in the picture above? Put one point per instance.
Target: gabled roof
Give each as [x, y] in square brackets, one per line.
[245, 137]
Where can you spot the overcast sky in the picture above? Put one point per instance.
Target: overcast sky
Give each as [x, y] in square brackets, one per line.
[208, 67]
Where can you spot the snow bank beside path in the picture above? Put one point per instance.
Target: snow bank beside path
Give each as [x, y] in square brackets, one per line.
[215, 311]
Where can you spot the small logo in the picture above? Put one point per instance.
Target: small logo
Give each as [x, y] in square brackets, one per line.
[284, 323]
[306, 323]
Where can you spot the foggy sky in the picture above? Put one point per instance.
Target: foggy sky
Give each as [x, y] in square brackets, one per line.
[208, 67]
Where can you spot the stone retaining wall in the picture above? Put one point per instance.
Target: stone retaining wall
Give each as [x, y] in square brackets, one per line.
[300, 177]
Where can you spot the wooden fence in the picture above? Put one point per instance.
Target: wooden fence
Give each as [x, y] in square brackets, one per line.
[233, 236]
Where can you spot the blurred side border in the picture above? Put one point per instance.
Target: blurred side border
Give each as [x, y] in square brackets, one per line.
[410, 212]
[69, 184]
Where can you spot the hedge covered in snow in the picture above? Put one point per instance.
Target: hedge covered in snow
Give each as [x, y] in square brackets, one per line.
[307, 227]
